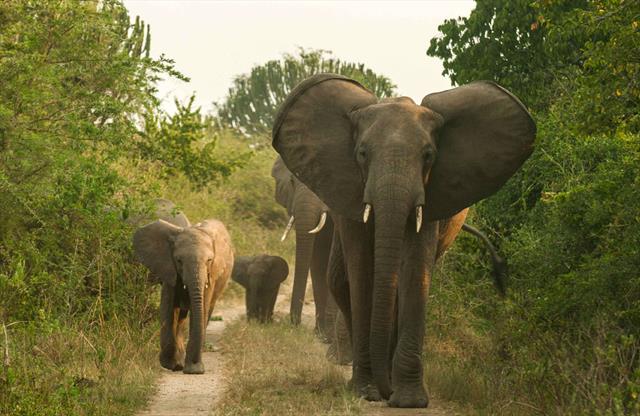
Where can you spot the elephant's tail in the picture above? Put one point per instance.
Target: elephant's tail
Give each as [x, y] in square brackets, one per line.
[499, 264]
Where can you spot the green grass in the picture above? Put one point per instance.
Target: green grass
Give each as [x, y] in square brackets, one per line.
[279, 369]
[79, 369]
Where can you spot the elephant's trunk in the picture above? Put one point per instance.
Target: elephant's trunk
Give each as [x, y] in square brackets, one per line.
[195, 286]
[304, 250]
[393, 204]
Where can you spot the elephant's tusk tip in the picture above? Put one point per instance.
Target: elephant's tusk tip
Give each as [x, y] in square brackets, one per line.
[367, 211]
[320, 226]
[418, 218]
[287, 229]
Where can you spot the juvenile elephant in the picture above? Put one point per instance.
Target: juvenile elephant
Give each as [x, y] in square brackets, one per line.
[261, 277]
[398, 178]
[194, 265]
[314, 228]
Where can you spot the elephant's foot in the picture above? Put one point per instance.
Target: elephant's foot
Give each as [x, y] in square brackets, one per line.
[194, 368]
[169, 362]
[335, 355]
[179, 363]
[413, 395]
[366, 389]
[322, 335]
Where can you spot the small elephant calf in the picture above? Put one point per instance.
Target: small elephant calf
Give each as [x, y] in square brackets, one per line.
[194, 265]
[261, 277]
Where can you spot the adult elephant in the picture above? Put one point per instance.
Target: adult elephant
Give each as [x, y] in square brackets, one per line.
[398, 178]
[260, 276]
[194, 264]
[314, 229]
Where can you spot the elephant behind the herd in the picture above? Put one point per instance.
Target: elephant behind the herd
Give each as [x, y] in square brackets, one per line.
[398, 178]
[314, 229]
[261, 277]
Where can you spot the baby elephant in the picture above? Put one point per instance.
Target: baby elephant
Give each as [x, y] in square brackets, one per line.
[194, 264]
[261, 277]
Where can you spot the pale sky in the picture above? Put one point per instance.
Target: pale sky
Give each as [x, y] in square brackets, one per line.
[213, 41]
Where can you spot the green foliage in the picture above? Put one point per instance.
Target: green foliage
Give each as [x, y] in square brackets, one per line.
[181, 143]
[568, 221]
[77, 86]
[254, 98]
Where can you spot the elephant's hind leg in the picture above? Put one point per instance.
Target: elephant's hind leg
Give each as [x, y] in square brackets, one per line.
[180, 318]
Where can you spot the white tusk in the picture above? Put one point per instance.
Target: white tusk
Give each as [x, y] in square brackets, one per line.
[418, 218]
[323, 219]
[286, 230]
[367, 211]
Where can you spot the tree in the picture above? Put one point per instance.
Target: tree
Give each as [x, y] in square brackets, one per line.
[506, 41]
[252, 101]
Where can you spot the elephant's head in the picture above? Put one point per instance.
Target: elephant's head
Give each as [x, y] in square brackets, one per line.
[397, 163]
[302, 205]
[261, 277]
[182, 256]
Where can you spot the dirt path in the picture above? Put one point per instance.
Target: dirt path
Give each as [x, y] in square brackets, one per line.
[189, 394]
[181, 394]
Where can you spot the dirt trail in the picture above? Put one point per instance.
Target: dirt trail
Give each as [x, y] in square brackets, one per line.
[189, 394]
[185, 395]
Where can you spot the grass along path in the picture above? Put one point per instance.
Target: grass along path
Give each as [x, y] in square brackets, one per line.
[279, 369]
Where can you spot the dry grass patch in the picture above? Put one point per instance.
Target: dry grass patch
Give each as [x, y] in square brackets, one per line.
[278, 369]
[81, 369]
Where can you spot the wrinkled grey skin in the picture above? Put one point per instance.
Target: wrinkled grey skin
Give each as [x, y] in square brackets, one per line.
[261, 277]
[194, 265]
[312, 250]
[339, 351]
[398, 178]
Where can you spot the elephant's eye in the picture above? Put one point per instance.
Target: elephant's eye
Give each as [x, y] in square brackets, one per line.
[429, 155]
[362, 154]
[209, 260]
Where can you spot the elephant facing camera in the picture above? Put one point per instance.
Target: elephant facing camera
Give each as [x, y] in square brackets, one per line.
[194, 264]
[261, 277]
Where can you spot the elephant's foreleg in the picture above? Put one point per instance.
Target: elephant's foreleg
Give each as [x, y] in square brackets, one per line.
[319, 262]
[167, 328]
[304, 251]
[358, 252]
[413, 286]
[339, 351]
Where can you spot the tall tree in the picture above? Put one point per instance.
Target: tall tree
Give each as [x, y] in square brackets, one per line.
[253, 100]
[506, 41]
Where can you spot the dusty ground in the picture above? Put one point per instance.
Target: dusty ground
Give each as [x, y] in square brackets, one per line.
[181, 394]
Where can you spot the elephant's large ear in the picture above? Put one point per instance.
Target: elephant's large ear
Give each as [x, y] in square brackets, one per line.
[284, 184]
[487, 135]
[239, 272]
[279, 269]
[314, 136]
[152, 245]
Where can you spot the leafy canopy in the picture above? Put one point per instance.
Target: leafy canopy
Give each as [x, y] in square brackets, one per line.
[254, 98]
